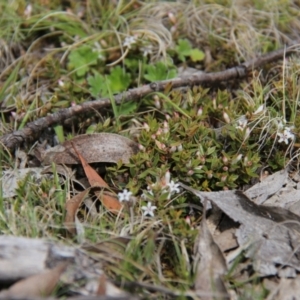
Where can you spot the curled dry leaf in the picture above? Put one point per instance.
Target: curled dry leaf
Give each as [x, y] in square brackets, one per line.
[98, 147]
[37, 285]
[72, 206]
[95, 180]
[210, 266]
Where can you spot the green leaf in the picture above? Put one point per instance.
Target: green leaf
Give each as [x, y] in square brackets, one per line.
[197, 55]
[81, 59]
[119, 80]
[183, 49]
[127, 108]
[159, 71]
[132, 64]
[59, 130]
[97, 85]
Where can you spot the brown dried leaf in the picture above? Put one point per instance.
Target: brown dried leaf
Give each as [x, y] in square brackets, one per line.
[98, 147]
[110, 201]
[72, 206]
[210, 266]
[95, 180]
[101, 291]
[41, 284]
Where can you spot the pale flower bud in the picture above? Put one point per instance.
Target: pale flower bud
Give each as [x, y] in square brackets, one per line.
[179, 148]
[157, 102]
[146, 127]
[200, 111]
[141, 147]
[226, 117]
[172, 17]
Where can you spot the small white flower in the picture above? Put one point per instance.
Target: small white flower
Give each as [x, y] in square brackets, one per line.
[285, 136]
[124, 196]
[129, 40]
[147, 50]
[148, 210]
[242, 123]
[174, 187]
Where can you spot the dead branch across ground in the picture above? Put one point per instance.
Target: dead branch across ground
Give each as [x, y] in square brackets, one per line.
[33, 129]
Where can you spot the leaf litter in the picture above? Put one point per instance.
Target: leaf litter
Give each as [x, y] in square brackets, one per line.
[43, 265]
[43, 282]
[268, 236]
[210, 266]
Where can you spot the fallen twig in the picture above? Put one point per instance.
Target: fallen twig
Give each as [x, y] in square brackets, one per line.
[33, 129]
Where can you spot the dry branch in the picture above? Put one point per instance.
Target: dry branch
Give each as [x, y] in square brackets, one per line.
[33, 129]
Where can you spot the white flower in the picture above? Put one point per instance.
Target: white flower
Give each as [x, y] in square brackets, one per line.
[129, 40]
[148, 210]
[124, 196]
[285, 136]
[174, 187]
[146, 50]
[242, 123]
